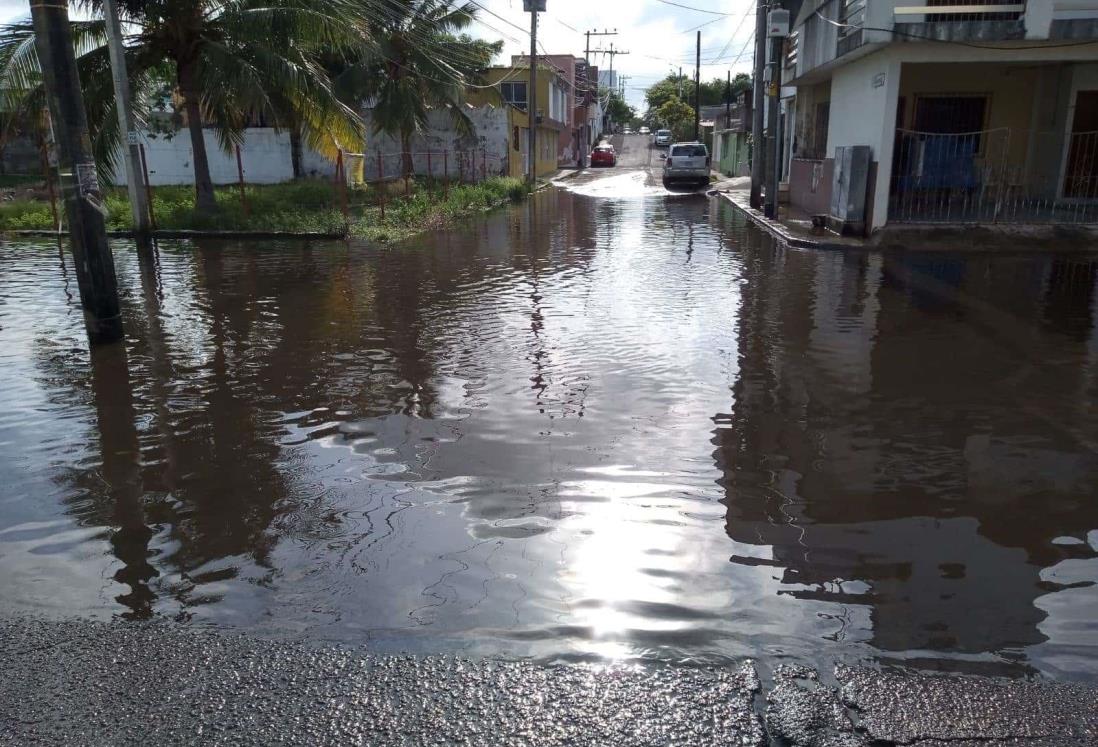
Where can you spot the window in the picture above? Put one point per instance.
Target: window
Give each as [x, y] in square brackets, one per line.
[514, 94]
[689, 151]
[950, 114]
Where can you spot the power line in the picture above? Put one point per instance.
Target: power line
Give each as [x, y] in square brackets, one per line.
[697, 10]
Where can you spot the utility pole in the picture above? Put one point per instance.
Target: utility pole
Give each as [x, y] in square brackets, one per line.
[697, 90]
[587, 50]
[533, 7]
[728, 102]
[79, 179]
[758, 158]
[680, 81]
[613, 52]
[131, 153]
[774, 122]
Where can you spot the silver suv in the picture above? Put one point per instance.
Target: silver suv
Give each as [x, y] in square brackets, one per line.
[663, 138]
[686, 162]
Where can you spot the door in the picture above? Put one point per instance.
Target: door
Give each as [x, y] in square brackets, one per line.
[1081, 172]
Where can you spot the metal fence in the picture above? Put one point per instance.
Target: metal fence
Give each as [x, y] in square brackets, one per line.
[994, 176]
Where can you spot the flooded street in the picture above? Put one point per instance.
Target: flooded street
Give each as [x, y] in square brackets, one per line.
[612, 424]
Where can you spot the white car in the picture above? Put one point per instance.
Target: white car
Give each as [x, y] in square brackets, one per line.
[645, 131]
[663, 138]
[686, 162]
[628, 131]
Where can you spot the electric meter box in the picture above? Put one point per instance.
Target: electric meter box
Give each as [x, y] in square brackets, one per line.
[777, 23]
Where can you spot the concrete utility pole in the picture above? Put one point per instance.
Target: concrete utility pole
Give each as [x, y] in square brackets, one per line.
[758, 159]
[728, 102]
[680, 81]
[697, 90]
[131, 153]
[79, 180]
[533, 7]
[589, 34]
[774, 122]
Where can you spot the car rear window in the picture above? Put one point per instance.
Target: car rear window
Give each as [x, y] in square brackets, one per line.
[604, 149]
[689, 150]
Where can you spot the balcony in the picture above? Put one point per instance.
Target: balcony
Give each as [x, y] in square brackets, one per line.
[977, 20]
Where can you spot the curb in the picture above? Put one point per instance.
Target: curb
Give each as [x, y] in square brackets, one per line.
[188, 234]
[777, 230]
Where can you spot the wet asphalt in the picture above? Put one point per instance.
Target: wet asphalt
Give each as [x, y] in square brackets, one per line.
[104, 683]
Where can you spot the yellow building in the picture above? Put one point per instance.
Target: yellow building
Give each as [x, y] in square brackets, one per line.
[509, 87]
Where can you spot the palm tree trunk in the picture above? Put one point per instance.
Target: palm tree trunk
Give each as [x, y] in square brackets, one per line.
[203, 185]
[295, 152]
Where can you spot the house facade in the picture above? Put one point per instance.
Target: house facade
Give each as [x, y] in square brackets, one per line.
[985, 112]
[509, 86]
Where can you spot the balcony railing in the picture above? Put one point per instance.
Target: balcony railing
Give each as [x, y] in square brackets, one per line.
[985, 20]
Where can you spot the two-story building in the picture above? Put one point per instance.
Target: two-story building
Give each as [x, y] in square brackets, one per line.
[974, 112]
[510, 86]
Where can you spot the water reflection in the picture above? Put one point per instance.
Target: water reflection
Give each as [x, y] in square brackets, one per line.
[527, 436]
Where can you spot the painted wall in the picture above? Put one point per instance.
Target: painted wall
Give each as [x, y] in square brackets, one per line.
[863, 112]
[265, 154]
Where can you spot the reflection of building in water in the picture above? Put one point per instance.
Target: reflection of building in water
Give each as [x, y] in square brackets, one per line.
[905, 422]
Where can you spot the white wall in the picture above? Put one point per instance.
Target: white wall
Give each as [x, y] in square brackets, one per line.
[863, 112]
[266, 154]
[489, 145]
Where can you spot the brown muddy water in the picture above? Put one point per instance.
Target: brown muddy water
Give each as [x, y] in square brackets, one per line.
[611, 425]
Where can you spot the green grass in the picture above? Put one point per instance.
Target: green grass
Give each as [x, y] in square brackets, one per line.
[298, 207]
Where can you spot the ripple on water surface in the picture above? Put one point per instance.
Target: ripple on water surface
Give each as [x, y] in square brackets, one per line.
[609, 424]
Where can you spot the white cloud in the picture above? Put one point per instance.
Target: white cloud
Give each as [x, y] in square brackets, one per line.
[657, 35]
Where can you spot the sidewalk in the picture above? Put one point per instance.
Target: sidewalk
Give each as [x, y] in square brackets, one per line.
[794, 228]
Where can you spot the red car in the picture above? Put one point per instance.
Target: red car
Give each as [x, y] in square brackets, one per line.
[604, 155]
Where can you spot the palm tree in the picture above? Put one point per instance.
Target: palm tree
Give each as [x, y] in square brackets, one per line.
[232, 60]
[417, 61]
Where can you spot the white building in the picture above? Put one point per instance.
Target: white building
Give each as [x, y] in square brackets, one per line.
[975, 112]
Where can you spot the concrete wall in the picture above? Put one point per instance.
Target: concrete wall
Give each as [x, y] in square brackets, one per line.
[265, 155]
[490, 145]
[810, 185]
[863, 112]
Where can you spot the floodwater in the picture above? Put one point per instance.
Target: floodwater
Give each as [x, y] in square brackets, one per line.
[613, 424]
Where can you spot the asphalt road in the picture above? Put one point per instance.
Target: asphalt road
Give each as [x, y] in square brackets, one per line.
[80, 682]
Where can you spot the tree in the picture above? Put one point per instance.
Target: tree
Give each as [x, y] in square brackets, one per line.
[416, 62]
[232, 60]
[712, 92]
[618, 110]
[677, 116]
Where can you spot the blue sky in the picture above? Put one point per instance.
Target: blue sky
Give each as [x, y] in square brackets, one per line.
[659, 36]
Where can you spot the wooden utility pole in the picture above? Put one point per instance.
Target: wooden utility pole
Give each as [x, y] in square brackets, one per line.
[697, 90]
[758, 158]
[131, 153]
[79, 179]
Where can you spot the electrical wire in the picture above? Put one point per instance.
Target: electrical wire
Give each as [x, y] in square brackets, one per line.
[696, 10]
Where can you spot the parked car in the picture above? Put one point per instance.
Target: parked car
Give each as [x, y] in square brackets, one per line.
[663, 138]
[686, 162]
[645, 131]
[604, 155]
[628, 130]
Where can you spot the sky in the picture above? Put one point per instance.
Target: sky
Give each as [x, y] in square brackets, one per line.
[658, 35]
